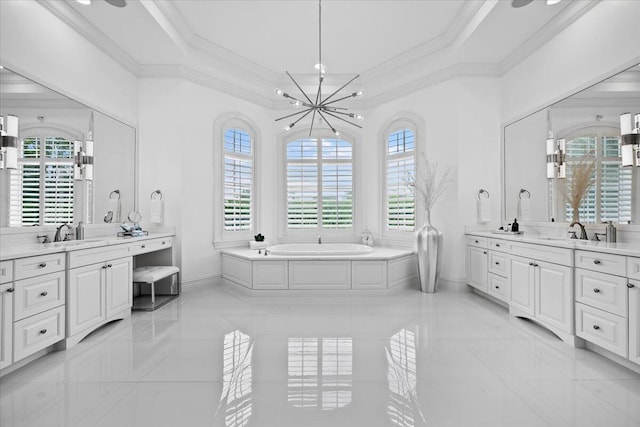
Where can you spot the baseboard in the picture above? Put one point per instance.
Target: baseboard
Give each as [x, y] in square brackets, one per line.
[209, 278]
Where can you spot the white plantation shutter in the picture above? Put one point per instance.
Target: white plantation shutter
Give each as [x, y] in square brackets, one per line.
[319, 167]
[609, 199]
[42, 188]
[238, 180]
[400, 165]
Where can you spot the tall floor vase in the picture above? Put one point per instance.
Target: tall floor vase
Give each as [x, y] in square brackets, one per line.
[428, 246]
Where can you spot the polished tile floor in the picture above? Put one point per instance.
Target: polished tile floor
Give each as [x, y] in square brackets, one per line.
[215, 357]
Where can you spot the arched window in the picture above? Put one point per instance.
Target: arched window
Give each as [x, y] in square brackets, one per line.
[238, 193]
[42, 188]
[609, 198]
[399, 164]
[319, 182]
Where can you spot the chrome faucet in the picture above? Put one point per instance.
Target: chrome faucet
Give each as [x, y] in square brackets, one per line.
[319, 240]
[583, 232]
[57, 237]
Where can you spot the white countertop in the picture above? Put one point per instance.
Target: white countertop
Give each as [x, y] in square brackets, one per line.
[618, 248]
[378, 253]
[22, 251]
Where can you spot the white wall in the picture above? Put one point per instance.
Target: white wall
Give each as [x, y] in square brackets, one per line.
[462, 132]
[36, 44]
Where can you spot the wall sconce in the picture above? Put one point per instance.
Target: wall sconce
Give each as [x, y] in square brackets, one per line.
[9, 145]
[556, 152]
[83, 156]
[630, 139]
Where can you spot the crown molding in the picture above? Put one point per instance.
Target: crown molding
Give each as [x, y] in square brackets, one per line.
[551, 29]
[73, 19]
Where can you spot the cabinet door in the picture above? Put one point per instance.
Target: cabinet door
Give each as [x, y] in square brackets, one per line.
[119, 292]
[477, 267]
[634, 322]
[6, 325]
[554, 295]
[86, 291]
[522, 285]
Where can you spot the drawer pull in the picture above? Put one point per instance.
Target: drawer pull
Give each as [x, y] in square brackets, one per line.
[477, 241]
[163, 242]
[143, 246]
[43, 331]
[596, 261]
[109, 265]
[43, 265]
[497, 263]
[104, 266]
[497, 245]
[44, 294]
[497, 287]
[596, 290]
[531, 264]
[484, 252]
[13, 289]
[630, 285]
[596, 327]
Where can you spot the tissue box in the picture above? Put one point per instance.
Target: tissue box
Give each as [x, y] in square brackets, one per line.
[258, 245]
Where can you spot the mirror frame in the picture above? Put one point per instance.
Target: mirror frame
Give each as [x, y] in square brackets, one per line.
[136, 148]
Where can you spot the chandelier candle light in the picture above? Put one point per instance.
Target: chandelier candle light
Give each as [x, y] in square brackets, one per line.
[324, 107]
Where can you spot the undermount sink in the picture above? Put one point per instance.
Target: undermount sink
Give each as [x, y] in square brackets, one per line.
[563, 239]
[71, 243]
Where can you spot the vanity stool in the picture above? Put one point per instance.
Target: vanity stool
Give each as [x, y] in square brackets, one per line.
[150, 275]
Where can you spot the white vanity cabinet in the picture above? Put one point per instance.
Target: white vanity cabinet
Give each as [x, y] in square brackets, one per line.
[6, 324]
[38, 300]
[499, 270]
[477, 259]
[634, 320]
[98, 292]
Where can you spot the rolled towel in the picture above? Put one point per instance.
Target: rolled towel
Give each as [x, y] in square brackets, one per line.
[157, 211]
[114, 206]
[484, 210]
[524, 209]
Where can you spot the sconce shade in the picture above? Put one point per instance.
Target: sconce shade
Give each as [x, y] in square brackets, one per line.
[83, 155]
[630, 139]
[9, 135]
[556, 166]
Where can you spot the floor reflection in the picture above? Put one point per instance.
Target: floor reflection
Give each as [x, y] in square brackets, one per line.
[401, 357]
[235, 401]
[320, 372]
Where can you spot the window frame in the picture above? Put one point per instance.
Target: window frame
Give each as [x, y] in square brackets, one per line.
[42, 133]
[302, 234]
[406, 121]
[232, 238]
[599, 132]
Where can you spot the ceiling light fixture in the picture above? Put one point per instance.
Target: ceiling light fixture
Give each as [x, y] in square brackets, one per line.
[323, 107]
[552, 2]
[117, 3]
[84, 2]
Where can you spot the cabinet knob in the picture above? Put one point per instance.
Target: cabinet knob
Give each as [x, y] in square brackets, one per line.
[104, 266]
[42, 264]
[484, 252]
[144, 246]
[596, 327]
[163, 242]
[596, 261]
[43, 331]
[477, 241]
[497, 245]
[13, 289]
[535, 265]
[109, 265]
[497, 263]
[44, 294]
[531, 264]
[497, 287]
[630, 285]
[596, 290]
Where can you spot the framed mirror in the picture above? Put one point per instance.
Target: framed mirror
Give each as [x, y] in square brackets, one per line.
[42, 189]
[587, 125]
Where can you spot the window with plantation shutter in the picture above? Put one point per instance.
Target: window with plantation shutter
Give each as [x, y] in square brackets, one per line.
[400, 155]
[238, 180]
[609, 198]
[319, 184]
[42, 188]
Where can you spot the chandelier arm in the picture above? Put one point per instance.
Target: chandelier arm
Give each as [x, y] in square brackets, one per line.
[298, 86]
[294, 114]
[341, 87]
[325, 119]
[305, 115]
[337, 100]
[313, 118]
[344, 120]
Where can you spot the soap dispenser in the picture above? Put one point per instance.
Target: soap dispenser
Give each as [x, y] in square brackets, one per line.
[515, 226]
[80, 231]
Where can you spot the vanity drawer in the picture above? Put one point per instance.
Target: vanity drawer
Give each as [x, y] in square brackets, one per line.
[96, 255]
[38, 265]
[37, 332]
[601, 262]
[603, 291]
[38, 294]
[633, 268]
[550, 254]
[481, 242]
[499, 287]
[6, 271]
[150, 245]
[603, 329]
[499, 264]
[499, 245]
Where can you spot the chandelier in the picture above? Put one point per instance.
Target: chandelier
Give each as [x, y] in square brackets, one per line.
[323, 107]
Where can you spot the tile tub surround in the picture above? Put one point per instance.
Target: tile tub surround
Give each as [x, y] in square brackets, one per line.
[215, 357]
